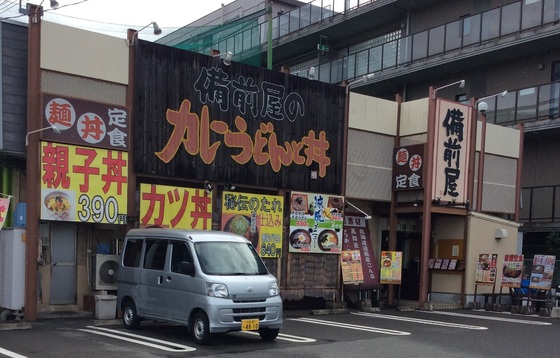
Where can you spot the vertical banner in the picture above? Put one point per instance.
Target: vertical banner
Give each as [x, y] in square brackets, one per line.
[512, 271]
[541, 273]
[351, 263]
[316, 222]
[259, 218]
[175, 207]
[4, 206]
[486, 268]
[391, 267]
[356, 237]
[451, 151]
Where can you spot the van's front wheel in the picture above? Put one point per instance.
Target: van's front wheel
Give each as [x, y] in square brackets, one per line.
[200, 328]
[130, 317]
[268, 334]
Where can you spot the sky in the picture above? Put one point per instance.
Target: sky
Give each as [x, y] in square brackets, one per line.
[114, 17]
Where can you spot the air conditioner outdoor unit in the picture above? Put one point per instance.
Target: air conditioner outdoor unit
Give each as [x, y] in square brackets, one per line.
[104, 269]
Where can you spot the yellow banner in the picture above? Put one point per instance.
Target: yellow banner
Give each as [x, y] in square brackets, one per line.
[391, 267]
[83, 184]
[175, 207]
[259, 218]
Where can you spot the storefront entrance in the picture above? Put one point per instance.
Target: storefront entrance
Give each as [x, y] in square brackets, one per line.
[410, 244]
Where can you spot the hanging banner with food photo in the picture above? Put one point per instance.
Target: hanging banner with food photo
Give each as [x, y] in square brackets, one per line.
[259, 218]
[512, 271]
[4, 206]
[541, 273]
[391, 267]
[316, 222]
[486, 268]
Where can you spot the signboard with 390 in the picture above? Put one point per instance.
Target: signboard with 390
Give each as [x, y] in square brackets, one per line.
[83, 184]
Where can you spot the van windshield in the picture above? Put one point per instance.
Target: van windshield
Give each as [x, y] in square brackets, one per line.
[229, 258]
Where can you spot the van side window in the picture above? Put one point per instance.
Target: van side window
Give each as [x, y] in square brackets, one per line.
[155, 254]
[180, 253]
[132, 253]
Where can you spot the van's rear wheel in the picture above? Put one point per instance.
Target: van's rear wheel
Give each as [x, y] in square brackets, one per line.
[200, 328]
[268, 334]
[130, 317]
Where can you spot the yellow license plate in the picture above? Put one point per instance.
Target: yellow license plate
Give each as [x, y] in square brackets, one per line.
[249, 324]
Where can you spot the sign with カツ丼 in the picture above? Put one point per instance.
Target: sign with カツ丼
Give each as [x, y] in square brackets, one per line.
[175, 207]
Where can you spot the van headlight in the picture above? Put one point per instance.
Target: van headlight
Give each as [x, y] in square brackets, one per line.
[273, 289]
[217, 289]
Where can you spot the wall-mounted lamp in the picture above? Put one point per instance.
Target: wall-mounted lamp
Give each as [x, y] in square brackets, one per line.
[437, 201]
[53, 127]
[482, 107]
[362, 79]
[500, 234]
[229, 186]
[367, 216]
[461, 84]
[208, 187]
[157, 31]
[227, 57]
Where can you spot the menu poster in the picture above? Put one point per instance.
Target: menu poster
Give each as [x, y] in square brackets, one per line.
[437, 264]
[541, 273]
[431, 263]
[452, 264]
[444, 264]
[486, 268]
[316, 222]
[391, 267]
[512, 271]
[351, 263]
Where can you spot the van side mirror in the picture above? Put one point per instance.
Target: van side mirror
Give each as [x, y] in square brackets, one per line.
[187, 268]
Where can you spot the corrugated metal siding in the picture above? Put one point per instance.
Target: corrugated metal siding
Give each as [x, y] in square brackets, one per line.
[369, 166]
[14, 87]
[499, 184]
[84, 88]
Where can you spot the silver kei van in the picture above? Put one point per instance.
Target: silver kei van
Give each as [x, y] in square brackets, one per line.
[210, 281]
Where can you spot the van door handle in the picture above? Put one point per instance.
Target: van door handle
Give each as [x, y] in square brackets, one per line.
[160, 280]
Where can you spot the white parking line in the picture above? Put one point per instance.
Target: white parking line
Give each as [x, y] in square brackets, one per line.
[352, 326]
[422, 321]
[168, 346]
[10, 353]
[287, 337]
[491, 318]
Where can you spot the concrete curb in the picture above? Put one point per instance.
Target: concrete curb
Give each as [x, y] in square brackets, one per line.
[5, 326]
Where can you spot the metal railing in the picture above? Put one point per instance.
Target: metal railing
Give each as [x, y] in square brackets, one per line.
[540, 204]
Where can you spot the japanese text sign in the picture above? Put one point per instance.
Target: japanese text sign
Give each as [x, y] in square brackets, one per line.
[351, 263]
[356, 237]
[86, 123]
[451, 151]
[408, 167]
[512, 271]
[391, 267]
[260, 218]
[541, 272]
[175, 207]
[486, 268]
[316, 222]
[83, 184]
[208, 121]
